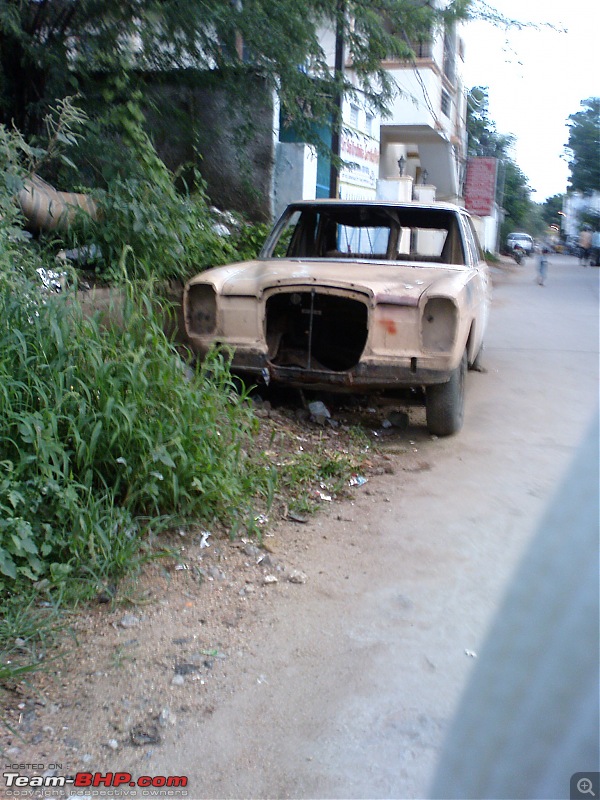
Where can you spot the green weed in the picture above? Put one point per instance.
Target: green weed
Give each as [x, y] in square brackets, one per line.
[307, 476]
[103, 437]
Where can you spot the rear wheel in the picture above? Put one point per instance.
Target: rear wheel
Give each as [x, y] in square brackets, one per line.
[445, 402]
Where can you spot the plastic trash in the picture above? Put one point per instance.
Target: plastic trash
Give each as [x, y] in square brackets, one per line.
[204, 539]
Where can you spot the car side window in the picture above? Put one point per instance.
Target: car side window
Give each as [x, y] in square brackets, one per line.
[475, 253]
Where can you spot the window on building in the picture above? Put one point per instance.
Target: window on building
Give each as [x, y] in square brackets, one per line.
[450, 52]
[354, 116]
[446, 103]
[369, 124]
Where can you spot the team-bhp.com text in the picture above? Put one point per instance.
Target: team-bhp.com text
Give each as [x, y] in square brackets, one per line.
[90, 780]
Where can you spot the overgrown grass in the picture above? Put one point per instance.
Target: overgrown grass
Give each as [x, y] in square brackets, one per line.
[169, 232]
[27, 633]
[106, 438]
[491, 258]
[103, 436]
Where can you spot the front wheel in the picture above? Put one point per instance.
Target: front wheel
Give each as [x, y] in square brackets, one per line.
[445, 402]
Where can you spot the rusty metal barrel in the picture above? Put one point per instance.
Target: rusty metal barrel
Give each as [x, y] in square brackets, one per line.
[45, 208]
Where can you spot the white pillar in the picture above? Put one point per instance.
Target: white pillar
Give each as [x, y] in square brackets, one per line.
[424, 193]
[395, 189]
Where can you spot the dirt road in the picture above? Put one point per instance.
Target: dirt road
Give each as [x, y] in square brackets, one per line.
[351, 679]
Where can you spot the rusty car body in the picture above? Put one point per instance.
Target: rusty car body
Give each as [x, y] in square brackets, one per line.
[354, 296]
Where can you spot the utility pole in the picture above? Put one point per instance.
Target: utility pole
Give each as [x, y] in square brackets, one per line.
[336, 122]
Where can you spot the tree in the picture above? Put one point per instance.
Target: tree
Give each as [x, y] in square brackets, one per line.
[583, 147]
[49, 47]
[483, 139]
[552, 210]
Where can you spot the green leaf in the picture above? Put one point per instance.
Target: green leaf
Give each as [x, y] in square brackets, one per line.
[7, 565]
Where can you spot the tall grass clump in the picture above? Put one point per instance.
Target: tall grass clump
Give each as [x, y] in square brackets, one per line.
[103, 434]
[142, 204]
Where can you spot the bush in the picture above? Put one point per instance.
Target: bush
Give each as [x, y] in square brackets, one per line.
[105, 435]
[102, 435]
[169, 235]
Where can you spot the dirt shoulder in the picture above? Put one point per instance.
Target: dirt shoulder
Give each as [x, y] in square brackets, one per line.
[168, 647]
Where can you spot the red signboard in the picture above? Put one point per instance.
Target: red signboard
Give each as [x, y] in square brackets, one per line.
[480, 186]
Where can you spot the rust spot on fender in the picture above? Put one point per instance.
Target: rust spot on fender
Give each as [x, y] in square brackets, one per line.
[389, 325]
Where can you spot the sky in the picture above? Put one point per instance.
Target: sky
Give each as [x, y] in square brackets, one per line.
[536, 79]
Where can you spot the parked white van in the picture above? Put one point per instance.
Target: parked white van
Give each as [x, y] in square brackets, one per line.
[522, 240]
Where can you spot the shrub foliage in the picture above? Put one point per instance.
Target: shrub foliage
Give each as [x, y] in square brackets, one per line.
[104, 432]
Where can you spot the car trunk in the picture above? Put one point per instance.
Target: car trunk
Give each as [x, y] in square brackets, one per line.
[315, 330]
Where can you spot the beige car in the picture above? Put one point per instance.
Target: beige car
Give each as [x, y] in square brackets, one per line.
[354, 296]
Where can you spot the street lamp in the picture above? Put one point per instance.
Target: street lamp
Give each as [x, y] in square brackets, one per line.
[425, 177]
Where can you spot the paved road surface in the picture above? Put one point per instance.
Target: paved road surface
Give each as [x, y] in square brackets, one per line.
[353, 683]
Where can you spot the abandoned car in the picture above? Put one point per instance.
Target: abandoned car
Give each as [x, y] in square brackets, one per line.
[354, 296]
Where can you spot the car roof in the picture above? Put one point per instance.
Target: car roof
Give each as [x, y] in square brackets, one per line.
[332, 201]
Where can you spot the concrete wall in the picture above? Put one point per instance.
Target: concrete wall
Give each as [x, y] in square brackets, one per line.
[295, 174]
[487, 230]
[226, 130]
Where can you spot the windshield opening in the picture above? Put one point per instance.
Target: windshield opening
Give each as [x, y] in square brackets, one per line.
[381, 233]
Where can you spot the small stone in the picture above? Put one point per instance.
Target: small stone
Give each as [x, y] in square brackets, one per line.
[71, 743]
[186, 669]
[295, 517]
[143, 735]
[19, 642]
[296, 576]
[178, 680]
[166, 718]
[87, 758]
[216, 573]
[319, 412]
[268, 579]
[129, 621]
[113, 744]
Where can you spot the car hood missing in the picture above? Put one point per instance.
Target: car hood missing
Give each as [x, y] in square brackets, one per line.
[373, 278]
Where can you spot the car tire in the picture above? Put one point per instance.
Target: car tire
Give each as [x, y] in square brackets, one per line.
[445, 402]
[477, 366]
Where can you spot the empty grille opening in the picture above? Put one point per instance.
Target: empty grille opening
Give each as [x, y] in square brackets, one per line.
[316, 331]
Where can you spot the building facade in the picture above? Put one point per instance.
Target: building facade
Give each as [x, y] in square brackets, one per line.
[423, 139]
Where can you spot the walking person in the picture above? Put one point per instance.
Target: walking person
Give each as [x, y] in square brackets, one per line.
[543, 266]
[585, 245]
[595, 251]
